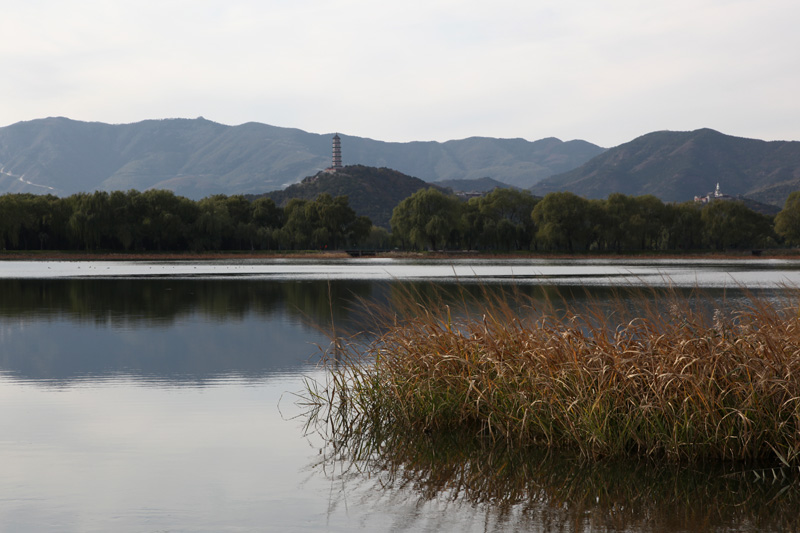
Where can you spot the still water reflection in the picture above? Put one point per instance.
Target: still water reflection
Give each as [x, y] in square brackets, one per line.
[167, 330]
[165, 403]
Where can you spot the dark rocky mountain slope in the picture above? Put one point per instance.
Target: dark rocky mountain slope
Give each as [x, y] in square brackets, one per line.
[677, 166]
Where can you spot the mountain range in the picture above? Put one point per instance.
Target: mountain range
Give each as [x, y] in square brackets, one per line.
[676, 166]
[197, 157]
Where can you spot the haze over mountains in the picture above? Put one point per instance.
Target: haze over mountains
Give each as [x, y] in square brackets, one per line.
[197, 158]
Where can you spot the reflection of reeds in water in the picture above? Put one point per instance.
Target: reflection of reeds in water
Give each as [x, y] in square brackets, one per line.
[543, 490]
[653, 375]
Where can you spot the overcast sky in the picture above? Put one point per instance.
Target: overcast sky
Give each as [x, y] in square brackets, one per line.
[605, 71]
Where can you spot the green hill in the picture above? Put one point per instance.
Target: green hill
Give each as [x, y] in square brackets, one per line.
[373, 192]
[677, 166]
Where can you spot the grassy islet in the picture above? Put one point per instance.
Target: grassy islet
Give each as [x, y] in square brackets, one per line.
[655, 373]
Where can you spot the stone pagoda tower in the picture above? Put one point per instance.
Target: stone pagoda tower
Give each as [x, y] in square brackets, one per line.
[337, 153]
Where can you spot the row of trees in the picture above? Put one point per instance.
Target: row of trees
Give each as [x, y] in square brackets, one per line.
[159, 220]
[507, 219]
[504, 219]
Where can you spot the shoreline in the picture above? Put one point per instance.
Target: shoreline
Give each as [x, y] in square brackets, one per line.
[48, 255]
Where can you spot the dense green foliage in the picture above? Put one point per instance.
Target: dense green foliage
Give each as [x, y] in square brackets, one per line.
[426, 218]
[502, 220]
[158, 220]
[787, 222]
[509, 220]
[326, 222]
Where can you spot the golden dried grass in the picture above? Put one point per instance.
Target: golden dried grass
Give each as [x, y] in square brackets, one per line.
[657, 373]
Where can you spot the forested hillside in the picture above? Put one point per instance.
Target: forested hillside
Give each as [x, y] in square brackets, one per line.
[372, 192]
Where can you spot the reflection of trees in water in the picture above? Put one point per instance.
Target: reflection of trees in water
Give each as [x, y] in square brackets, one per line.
[167, 329]
[154, 302]
[534, 490]
[147, 306]
[170, 329]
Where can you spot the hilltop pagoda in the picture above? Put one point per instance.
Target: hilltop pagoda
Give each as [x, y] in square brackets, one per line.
[337, 153]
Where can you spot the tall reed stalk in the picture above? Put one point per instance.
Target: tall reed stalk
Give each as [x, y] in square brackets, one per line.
[656, 373]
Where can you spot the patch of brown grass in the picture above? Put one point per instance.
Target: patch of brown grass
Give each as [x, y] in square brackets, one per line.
[665, 378]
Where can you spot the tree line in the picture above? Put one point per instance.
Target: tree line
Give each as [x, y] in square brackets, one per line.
[502, 220]
[159, 220]
[508, 219]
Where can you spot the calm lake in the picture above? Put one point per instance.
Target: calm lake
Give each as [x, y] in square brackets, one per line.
[162, 396]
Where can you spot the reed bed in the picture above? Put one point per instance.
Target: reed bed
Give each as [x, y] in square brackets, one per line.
[656, 373]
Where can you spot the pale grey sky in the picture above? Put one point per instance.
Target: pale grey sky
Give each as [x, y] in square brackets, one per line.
[605, 71]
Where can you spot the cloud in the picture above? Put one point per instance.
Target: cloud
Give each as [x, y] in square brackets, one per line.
[438, 69]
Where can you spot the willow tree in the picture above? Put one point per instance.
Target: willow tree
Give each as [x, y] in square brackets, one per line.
[428, 217]
[787, 222]
[502, 218]
[326, 222]
[731, 224]
[565, 221]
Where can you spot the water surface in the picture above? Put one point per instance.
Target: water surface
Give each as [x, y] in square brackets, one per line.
[160, 396]
[680, 272]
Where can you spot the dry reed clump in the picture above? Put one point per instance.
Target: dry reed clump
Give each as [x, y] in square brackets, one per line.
[666, 380]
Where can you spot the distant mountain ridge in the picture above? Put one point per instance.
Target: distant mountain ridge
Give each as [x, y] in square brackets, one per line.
[511, 161]
[198, 157]
[677, 166]
[472, 185]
